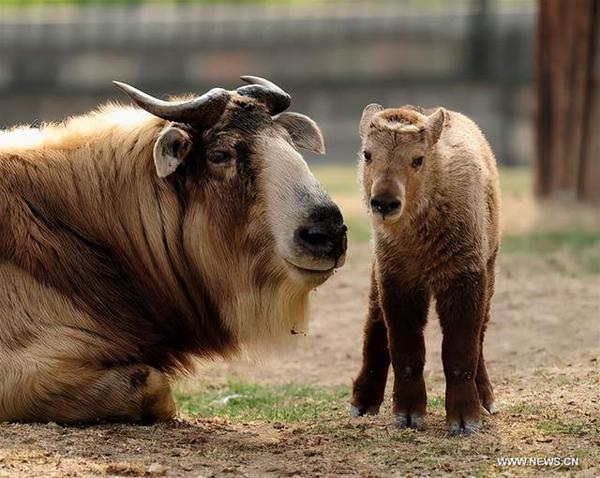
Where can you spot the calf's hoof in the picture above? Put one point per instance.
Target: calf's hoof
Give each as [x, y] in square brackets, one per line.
[463, 409]
[466, 428]
[410, 403]
[359, 411]
[415, 421]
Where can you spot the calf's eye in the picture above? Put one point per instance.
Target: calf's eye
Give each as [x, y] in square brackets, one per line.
[219, 157]
[418, 161]
[367, 156]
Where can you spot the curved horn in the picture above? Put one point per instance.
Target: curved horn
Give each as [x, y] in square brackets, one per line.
[203, 110]
[269, 93]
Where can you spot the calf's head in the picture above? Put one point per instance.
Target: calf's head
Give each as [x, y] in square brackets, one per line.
[255, 218]
[396, 157]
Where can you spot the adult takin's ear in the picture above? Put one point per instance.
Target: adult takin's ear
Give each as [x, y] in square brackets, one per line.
[435, 124]
[170, 149]
[305, 133]
[367, 114]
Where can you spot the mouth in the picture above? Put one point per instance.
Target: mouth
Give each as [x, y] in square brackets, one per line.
[310, 272]
[386, 218]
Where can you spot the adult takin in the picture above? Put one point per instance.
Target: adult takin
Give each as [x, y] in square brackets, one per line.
[431, 184]
[135, 239]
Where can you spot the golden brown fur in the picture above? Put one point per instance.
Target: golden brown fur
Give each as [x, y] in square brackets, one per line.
[441, 240]
[112, 279]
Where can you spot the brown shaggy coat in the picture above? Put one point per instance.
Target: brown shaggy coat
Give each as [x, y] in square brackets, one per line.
[112, 278]
[439, 238]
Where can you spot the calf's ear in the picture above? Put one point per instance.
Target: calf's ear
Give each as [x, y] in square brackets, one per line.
[170, 149]
[367, 114]
[305, 133]
[435, 124]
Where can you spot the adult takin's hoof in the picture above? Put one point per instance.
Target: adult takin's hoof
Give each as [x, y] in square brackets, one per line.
[415, 421]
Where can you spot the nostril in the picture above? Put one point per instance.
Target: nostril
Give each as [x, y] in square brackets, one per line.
[375, 204]
[313, 236]
[384, 205]
[393, 205]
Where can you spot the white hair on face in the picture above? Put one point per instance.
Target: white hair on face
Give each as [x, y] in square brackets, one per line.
[290, 189]
[269, 318]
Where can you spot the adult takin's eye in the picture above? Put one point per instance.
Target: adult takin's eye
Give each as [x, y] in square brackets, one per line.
[417, 162]
[367, 155]
[219, 157]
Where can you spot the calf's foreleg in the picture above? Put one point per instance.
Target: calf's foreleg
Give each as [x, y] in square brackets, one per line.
[369, 386]
[405, 312]
[461, 307]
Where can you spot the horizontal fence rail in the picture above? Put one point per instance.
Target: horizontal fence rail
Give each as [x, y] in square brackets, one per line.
[334, 58]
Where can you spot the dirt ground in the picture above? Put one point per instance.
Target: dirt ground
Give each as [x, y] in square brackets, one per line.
[542, 347]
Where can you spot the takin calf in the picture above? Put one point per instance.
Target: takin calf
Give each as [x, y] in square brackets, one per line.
[431, 184]
[133, 240]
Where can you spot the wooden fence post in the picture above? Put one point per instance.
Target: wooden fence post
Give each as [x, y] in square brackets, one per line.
[568, 99]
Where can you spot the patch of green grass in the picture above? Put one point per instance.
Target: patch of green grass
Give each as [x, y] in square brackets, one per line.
[436, 403]
[516, 181]
[574, 427]
[249, 402]
[582, 246]
[524, 408]
[551, 241]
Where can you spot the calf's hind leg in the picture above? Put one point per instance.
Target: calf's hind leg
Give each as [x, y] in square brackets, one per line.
[74, 394]
[484, 386]
[369, 386]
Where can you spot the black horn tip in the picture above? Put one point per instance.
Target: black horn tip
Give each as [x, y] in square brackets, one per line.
[268, 92]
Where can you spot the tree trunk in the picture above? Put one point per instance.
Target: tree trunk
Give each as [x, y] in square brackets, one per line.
[568, 97]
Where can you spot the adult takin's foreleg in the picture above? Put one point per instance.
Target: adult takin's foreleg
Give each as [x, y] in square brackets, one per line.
[72, 393]
[138, 394]
[369, 386]
[461, 307]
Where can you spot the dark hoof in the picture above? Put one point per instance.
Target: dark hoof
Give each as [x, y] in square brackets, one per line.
[414, 420]
[456, 428]
[358, 411]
